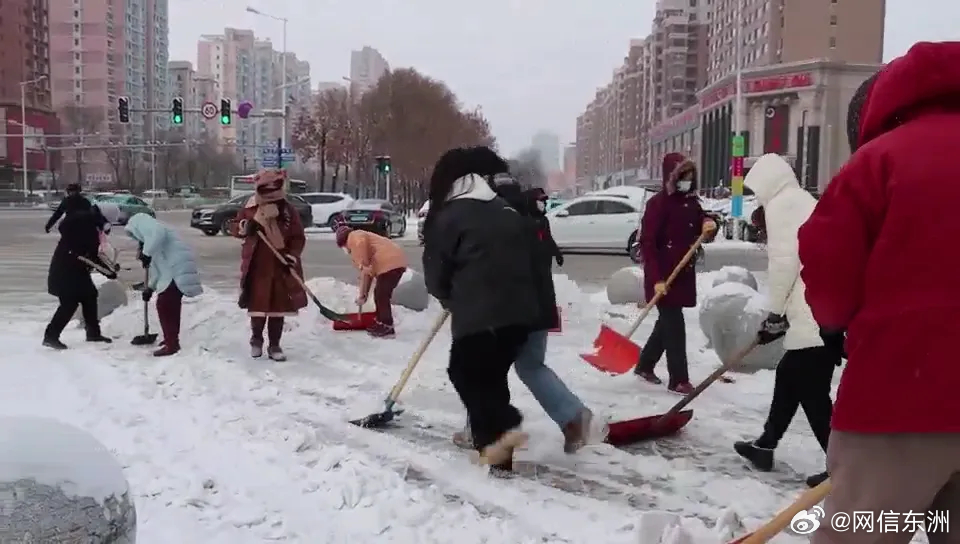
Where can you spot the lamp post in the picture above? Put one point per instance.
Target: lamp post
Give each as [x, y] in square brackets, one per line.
[23, 128]
[283, 69]
[737, 144]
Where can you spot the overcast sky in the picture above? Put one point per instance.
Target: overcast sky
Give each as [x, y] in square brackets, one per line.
[531, 64]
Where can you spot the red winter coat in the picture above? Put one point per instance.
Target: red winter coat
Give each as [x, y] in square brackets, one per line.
[879, 252]
[672, 222]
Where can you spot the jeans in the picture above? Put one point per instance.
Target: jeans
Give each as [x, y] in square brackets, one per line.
[553, 395]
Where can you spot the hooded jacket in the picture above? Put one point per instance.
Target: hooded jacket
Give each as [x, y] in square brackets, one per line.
[878, 252]
[786, 207]
[672, 221]
[477, 261]
[171, 260]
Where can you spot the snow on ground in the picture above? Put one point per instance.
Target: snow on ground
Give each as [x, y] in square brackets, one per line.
[219, 448]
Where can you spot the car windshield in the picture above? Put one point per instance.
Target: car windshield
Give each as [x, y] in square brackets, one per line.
[116, 199]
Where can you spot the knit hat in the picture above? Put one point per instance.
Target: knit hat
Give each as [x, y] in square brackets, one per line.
[855, 111]
[269, 184]
[342, 233]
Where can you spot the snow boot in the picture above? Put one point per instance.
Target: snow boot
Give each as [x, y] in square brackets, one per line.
[817, 479]
[682, 388]
[54, 343]
[274, 353]
[577, 432]
[648, 376]
[379, 330]
[760, 458]
[256, 350]
[501, 451]
[99, 338]
[166, 349]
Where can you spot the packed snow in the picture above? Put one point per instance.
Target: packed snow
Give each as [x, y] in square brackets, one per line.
[219, 448]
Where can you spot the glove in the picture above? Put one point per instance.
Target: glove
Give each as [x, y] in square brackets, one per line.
[290, 260]
[361, 300]
[249, 227]
[834, 340]
[660, 288]
[146, 295]
[772, 328]
[709, 226]
[559, 259]
[145, 260]
[46, 229]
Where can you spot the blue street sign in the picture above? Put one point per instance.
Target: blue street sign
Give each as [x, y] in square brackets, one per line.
[268, 162]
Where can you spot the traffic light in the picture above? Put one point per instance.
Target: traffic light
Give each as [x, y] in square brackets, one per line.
[178, 111]
[383, 164]
[225, 111]
[123, 104]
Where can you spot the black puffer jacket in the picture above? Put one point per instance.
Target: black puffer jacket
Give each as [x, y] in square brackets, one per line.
[79, 236]
[476, 261]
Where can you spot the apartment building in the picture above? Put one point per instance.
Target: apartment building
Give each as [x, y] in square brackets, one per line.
[156, 55]
[24, 37]
[184, 83]
[367, 66]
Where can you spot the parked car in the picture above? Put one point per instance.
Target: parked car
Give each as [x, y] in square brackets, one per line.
[421, 215]
[596, 223]
[213, 219]
[377, 216]
[129, 205]
[326, 206]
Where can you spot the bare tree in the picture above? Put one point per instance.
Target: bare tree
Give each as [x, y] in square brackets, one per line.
[79, 122]
[321, 130]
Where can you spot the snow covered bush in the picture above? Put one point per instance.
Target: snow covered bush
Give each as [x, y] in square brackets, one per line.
[625, 286]
[730, 316]
[55, 481]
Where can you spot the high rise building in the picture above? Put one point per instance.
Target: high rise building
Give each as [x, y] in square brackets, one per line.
[185, 84]
[102, 50]
[547, 145]
[367, 66]
[24, 32]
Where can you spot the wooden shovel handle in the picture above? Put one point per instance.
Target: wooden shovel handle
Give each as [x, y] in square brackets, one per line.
[781, 521]
[702, 386]
[417, 355]
[673, 275]
[95, 266]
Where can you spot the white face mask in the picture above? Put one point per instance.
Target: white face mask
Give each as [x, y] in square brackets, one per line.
[684, 186]
[541, 205]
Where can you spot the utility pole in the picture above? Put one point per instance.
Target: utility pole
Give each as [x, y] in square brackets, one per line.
[737, 144]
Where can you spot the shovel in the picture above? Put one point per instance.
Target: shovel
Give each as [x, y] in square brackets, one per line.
[324, 311]
[381, 419]
[360, 321]
[809, 499]
[147, 338]
[615, 353]
[630, 431]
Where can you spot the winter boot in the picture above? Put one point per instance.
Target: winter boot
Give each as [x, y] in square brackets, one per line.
[256, 350]
[275, 353]
[577, 432]
[381, 330]
[54, 343]
[257, 325]
[166, 349]
[648, 376]
[760, 458]
[817, 479]
[501, 451]
[681, 388]
[99, 338]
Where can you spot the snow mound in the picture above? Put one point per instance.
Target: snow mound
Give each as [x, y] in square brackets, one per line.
[625, 286]
[730, 316]
[734, 274]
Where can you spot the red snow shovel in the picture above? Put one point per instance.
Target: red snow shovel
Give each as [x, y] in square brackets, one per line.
[359, 321]
[781, 521]
[615, 353]
[622, 433]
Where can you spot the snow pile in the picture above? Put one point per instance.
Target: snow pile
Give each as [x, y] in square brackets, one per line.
[734, 274]
[220, 448]
[730, 316]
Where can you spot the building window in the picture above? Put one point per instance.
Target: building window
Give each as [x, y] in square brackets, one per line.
[833, 42]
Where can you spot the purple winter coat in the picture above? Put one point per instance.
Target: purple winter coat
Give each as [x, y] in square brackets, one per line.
[672, 221]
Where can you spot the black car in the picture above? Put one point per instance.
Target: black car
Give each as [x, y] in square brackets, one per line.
[377, 216]
[213, 219]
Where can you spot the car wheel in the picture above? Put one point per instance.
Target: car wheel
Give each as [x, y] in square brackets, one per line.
[211, 232]
[403, 227]
[728, 229]
[225, 228]
[631, 240]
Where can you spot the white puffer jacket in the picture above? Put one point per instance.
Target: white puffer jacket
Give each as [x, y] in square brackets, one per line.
[786, 207]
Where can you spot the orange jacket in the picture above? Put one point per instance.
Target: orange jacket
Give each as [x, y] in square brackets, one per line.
[374, 254]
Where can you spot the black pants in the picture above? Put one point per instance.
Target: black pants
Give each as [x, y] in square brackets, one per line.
[479, 365]
[803, 378]
[68, 306]
[669, 335]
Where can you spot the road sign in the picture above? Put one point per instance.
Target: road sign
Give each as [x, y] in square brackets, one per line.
[209, 110]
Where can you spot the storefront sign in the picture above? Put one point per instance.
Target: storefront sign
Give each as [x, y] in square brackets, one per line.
[757, 86]
[687, 119]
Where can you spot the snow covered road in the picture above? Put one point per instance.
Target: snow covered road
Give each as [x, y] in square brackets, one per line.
[219, 448]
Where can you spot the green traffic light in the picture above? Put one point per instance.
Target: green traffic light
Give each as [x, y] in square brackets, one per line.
[225, 120]
[177, 120]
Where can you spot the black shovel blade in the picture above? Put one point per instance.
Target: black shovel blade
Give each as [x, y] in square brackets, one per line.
[330, 314]
[378, 420]
[144, 340]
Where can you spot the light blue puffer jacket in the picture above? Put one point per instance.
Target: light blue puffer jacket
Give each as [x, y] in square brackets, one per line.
[172, 259]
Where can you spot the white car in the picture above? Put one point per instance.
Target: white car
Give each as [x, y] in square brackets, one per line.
[326, 205]
[600, 222]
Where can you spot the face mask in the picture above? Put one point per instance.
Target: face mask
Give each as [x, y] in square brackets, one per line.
[541, 205]
[684, 186]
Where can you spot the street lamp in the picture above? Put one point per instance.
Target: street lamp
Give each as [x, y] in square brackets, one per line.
[23, 129]
[283, 68]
